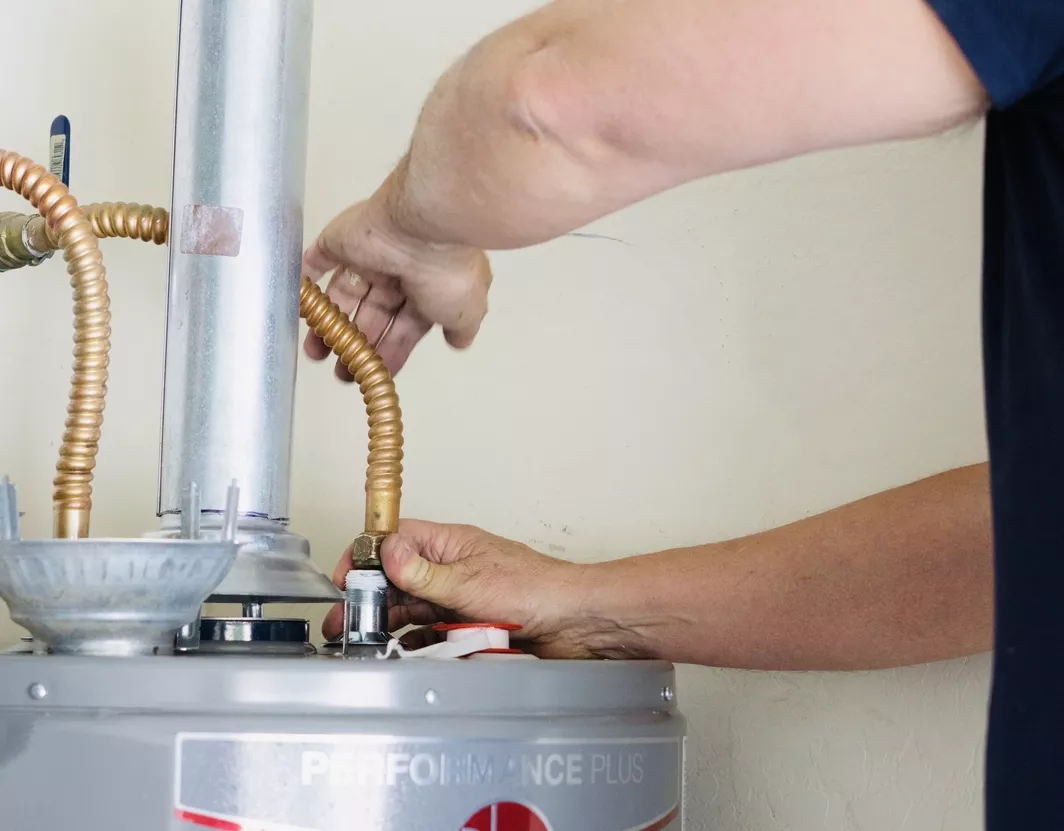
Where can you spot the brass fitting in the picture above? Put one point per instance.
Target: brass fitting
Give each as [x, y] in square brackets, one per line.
[366, 551]
[23, 240]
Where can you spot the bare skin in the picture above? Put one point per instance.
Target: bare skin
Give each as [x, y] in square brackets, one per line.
[900, 578]
[580, 109]
[586, 106]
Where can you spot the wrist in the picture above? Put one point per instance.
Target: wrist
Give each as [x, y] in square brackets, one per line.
[402, 213]
[610, 621]
[395, 218]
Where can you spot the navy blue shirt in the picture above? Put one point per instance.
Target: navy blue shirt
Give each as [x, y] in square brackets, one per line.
[1017, 49]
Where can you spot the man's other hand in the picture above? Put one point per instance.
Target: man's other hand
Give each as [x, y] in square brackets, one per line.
[381, 272]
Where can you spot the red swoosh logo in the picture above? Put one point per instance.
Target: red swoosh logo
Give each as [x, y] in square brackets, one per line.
[662, 823]
[207, 822]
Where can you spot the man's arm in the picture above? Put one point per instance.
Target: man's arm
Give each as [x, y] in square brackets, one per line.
[586, 106]
[900, 578]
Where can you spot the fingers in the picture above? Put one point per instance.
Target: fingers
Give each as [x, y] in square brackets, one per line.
[377, 306]
[408, 612]
[333, 622]
[379, 301]
[438, 542]
[390, 324]
[402, 611]
[397, 343]
[420, 562]
[347, 290]
[419, 638]
[339, 576]
[469, 308]
[416, 575]
[406, 285]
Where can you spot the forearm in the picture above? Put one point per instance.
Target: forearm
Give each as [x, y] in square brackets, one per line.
[900, 578]
[586, 106]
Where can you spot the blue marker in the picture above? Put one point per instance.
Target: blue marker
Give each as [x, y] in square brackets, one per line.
[59, 149]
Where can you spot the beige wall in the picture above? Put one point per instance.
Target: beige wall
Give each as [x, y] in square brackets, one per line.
[742, 352]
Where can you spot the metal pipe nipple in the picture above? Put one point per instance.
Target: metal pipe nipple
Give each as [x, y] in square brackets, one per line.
[365, 607]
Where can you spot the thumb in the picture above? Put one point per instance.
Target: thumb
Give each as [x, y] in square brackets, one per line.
[416, 575]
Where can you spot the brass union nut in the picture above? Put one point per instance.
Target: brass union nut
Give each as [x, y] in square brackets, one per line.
[366, 551]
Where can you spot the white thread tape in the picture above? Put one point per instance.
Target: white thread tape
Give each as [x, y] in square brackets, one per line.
[462, 640]
[444, 649]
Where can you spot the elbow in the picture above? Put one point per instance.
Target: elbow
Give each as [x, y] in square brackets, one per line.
[549, 103]
[535, 100]
[526, 159]
[552, 147]
[588, 154]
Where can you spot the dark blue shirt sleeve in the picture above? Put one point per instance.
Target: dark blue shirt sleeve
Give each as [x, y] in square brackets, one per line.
[1016, 47]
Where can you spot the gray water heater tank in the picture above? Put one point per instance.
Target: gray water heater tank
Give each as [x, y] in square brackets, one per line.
[312, 743]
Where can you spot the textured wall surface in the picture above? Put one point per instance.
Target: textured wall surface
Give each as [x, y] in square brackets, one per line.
[735, 354]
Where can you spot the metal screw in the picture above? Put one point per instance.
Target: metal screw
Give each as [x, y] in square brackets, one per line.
[37, 691]
[667, 694]
[431, 697]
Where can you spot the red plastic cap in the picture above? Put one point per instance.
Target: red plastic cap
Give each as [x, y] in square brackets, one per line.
[450, 627]
[499, 652]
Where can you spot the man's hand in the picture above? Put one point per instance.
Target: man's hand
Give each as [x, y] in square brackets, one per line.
[383, 272]
[449, 573]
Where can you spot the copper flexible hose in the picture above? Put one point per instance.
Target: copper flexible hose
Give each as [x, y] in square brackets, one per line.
[72, 231]
[129, 220]
[384, 476]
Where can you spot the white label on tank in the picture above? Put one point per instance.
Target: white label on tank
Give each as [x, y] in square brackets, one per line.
[256, 782]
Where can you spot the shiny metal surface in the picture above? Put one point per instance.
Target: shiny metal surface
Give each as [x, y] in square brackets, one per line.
[273, 564]
[251, 630]
[365, 608]
[177, 743]
[276, 637]
[106, 596]
[323, 685]
[235, 251]
[16, 244]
